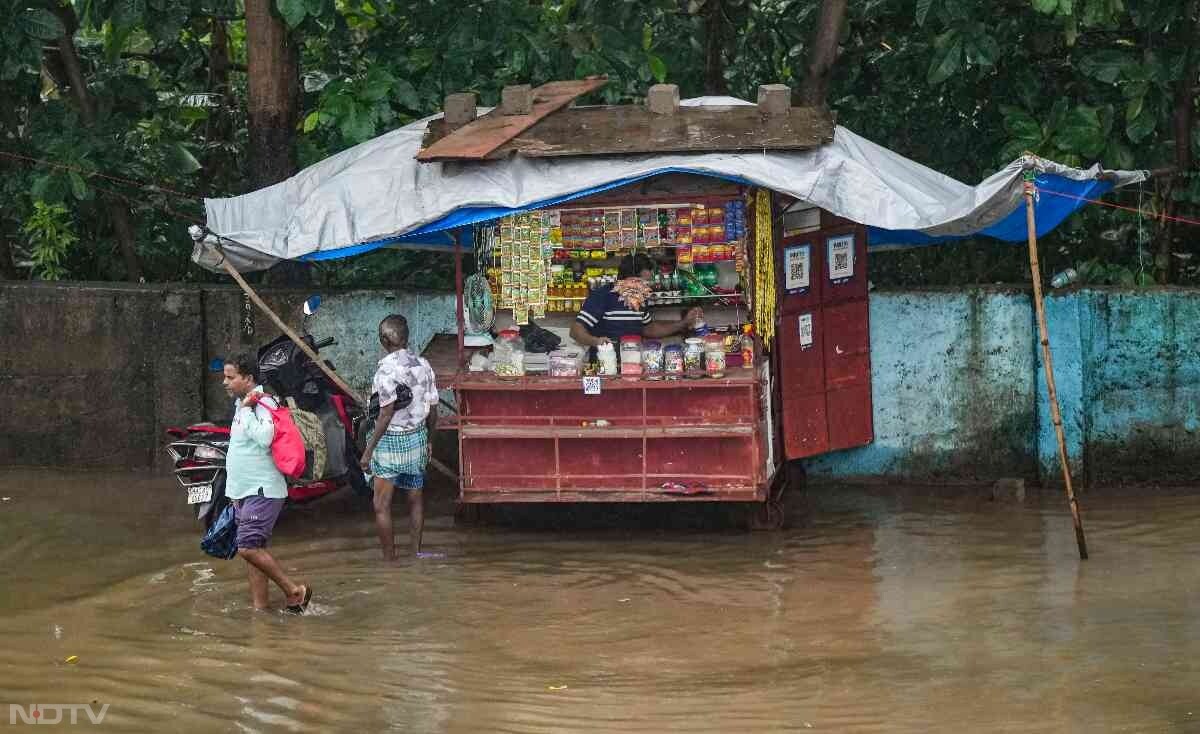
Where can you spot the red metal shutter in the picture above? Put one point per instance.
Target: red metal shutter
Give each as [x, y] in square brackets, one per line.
[824, 341]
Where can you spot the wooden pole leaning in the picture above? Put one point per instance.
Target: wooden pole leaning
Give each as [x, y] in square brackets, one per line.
[1048, 364]
[237, 277]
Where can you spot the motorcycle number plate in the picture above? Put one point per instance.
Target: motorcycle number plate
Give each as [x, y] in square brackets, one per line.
[196, 495]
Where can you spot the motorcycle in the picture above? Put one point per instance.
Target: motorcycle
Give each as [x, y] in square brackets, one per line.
[198, 451]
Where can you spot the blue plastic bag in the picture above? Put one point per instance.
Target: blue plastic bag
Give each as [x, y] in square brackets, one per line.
[220, 541]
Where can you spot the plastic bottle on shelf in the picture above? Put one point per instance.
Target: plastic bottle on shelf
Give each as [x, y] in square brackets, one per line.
[748, 346]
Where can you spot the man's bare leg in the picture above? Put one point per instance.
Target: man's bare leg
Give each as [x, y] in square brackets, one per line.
[416, 519]
[383, 518]
[258, 586]
[266, 563]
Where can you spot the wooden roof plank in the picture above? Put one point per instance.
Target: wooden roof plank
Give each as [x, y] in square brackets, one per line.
[478, 139]
[631, 130]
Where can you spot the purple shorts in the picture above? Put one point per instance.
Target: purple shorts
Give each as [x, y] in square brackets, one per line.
[256, 518]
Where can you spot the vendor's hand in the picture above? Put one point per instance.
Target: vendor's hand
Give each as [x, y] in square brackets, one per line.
[694, 315]
[602, 340]
[251, 399]
[365, 462]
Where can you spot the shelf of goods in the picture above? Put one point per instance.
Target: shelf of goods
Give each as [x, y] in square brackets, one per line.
[541, 439]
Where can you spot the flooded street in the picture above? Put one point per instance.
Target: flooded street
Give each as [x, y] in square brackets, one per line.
[875, 613]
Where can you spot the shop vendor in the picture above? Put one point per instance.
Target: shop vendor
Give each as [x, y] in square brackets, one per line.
[618, 310]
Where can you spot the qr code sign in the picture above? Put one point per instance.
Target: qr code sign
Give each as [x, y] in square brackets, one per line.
[841, 258]
[806, 330]
[798, 270]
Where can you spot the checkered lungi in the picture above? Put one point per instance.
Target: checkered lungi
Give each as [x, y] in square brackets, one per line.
[400, 457]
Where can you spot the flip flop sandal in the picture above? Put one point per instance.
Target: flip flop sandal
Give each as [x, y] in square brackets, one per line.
[303, 605]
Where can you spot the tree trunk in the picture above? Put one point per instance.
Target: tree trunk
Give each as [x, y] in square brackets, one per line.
[714, 48]
[272, 95]
[217, 127]
[822, 55]
[118, 211]
[273, 98]
[1182, 120]
[8, 268]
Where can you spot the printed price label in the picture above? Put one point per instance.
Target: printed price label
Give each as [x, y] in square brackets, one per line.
[591, 386]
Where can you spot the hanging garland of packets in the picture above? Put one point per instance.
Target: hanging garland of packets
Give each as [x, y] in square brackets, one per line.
[764, 269]
[525, 249]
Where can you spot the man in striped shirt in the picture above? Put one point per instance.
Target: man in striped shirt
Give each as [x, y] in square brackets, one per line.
[605, 318]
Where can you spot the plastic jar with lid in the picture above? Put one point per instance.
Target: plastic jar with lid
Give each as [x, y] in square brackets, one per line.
[508, 356]
[631, 355]
[606, 354]
[693, 358]
[673, 362]
[652, 360]
[714, 355]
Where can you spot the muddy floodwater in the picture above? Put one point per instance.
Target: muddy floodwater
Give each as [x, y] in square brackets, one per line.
[876, 612]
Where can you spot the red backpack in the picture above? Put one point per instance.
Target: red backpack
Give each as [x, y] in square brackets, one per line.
[287, 447]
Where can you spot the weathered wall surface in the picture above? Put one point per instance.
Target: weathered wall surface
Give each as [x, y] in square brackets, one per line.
[1133, 361]
[92, 375]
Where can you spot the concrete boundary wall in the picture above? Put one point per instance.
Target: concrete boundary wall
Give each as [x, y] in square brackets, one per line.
[91, 374]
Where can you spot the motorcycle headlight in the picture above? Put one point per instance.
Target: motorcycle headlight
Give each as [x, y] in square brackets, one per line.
[208, 452]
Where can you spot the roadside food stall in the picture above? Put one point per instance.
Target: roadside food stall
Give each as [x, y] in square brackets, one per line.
[761, 214]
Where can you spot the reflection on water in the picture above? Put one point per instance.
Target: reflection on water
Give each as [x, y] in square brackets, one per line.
[876, 614]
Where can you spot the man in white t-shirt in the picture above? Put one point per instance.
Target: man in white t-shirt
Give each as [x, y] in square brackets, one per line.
[398, 452]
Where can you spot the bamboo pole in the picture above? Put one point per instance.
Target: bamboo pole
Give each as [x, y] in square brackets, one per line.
[1048, 364]
[312, 354]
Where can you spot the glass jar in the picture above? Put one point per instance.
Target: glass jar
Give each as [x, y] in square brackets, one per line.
[693, 358]
[673, 362]
[714, 356]
[631, 355]
[508, 356]
[606, 354]
[652, 360]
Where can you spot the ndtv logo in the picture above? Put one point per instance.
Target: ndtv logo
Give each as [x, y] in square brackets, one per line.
[54, 713]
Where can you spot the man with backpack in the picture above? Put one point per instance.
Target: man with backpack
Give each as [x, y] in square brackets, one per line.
[255, 485]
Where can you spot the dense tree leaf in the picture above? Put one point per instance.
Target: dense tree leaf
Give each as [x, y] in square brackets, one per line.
[41, 24]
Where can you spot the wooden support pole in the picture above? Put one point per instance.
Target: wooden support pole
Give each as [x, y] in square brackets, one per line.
[237, 277]
[460, 316]
[1048, 364]
[337, 380]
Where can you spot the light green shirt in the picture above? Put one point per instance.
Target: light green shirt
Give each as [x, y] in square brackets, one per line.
[248, 463]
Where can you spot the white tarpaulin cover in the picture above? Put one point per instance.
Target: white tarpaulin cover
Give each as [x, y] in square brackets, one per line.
[377, 194]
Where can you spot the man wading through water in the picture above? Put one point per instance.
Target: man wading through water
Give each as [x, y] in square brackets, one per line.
[400, 445]
[257, 489]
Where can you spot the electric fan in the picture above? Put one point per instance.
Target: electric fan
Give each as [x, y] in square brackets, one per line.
[478, 314]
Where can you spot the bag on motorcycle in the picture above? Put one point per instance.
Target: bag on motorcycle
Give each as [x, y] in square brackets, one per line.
[313, 433]
[287, 447]
[220, 540]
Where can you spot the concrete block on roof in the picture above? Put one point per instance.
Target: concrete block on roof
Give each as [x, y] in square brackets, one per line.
[516, 99]
[774, 100]
[459, 109]
[663, 99]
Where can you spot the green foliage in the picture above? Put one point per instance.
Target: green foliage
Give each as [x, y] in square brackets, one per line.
[960, 86]
[50, 239]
